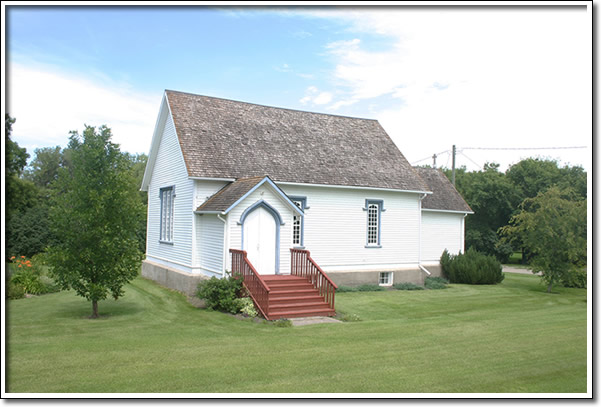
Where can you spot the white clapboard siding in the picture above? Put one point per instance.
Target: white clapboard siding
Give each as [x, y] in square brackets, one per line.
[264, 192]
[170, 170]
[335, 227]
[441, 231]
[205, 189]
[209, 243]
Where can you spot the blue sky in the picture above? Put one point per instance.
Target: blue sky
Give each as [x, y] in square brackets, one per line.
[432, 77]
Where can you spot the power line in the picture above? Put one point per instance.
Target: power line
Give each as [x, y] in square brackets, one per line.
[521, 148]
[463, 154]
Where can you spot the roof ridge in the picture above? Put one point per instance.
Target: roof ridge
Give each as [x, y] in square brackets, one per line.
[272, 107]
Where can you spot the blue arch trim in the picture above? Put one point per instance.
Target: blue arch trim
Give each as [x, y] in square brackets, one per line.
[261, 204]
[278, 222]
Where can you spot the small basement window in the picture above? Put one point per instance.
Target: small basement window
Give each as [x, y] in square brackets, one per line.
[386, 278]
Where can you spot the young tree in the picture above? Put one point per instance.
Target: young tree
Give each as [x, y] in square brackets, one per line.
[94, 215]
[553, 229]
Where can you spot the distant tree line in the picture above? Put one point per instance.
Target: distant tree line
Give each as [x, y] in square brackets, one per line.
[535, 207]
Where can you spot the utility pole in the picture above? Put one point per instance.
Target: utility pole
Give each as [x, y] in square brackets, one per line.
[453, 173]
[434, 161]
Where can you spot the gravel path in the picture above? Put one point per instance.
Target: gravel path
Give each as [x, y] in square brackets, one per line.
[509, 269]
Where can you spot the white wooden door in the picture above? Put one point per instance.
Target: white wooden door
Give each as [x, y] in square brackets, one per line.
[260, 240]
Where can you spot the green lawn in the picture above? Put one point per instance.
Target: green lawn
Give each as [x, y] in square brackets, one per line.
[512, 337]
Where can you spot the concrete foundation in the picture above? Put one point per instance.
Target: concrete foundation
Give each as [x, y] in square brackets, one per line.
[435, 270]
[171, 278]
[356, 278]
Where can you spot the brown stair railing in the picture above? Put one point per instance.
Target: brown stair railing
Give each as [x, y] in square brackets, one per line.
[253, 282]
[303, 265]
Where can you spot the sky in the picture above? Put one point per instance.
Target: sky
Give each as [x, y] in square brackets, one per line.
[434, 77]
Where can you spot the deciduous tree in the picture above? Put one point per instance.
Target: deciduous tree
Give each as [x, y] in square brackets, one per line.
[94, 216]
[553, 229]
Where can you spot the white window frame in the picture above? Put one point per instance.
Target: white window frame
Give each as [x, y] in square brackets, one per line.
[370, 204]
[389, 278]
[167, 198]
[298, 221]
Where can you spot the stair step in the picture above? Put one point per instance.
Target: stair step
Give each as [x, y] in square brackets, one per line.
[280, 277]
[296, 305]
[295, 299]
[286, 282]
[290, 287]
[286, 293]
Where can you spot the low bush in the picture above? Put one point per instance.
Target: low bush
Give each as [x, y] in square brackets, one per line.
[282, 323]
[471, 268]
[435, 283]
[30, 282]
[30, 275]
[14, 291]
[221, 293]
[246, 307]
[346, 289]
[575, 278]
[370, 287]
[407, 286]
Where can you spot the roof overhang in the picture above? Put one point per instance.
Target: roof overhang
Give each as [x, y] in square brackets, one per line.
[265, 181]
[448, 211]
[164, 112]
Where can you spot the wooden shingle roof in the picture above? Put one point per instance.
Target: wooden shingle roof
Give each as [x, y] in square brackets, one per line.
[444, 195]
[229, 194]
[222, 138]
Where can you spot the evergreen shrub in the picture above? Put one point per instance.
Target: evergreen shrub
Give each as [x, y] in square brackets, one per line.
[472, 267]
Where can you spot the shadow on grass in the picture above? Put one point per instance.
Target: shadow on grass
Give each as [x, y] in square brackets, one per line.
[106, 309]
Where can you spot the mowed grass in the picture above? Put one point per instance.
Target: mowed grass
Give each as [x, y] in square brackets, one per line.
[512, 337]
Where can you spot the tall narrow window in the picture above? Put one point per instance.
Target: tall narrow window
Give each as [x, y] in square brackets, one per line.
[374, 210]
[297, 223]
[166, 195]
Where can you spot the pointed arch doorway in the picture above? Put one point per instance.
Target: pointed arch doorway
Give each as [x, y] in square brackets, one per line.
[261, 237]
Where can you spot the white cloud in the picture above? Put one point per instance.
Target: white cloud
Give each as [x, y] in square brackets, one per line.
[481, 77]
[323, 98]
[47, 104]
[315, 97]
[283, 68]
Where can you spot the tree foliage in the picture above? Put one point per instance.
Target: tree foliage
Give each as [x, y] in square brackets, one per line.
[496, 196]
[94, 214]
[43, 169]
[553, 228]
[493, 199]
[19, 194]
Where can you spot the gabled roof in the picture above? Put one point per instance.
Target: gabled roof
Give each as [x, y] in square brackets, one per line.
[222, 138]
[444, 195]
[232, 194]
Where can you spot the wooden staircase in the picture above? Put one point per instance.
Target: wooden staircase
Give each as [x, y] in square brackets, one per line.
[294, 297]
[306, 292]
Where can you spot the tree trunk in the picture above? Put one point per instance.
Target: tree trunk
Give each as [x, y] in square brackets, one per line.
[549, 287]
[94, 310]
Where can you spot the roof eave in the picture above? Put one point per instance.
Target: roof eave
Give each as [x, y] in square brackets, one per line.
[156, 141]
[274, 187]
